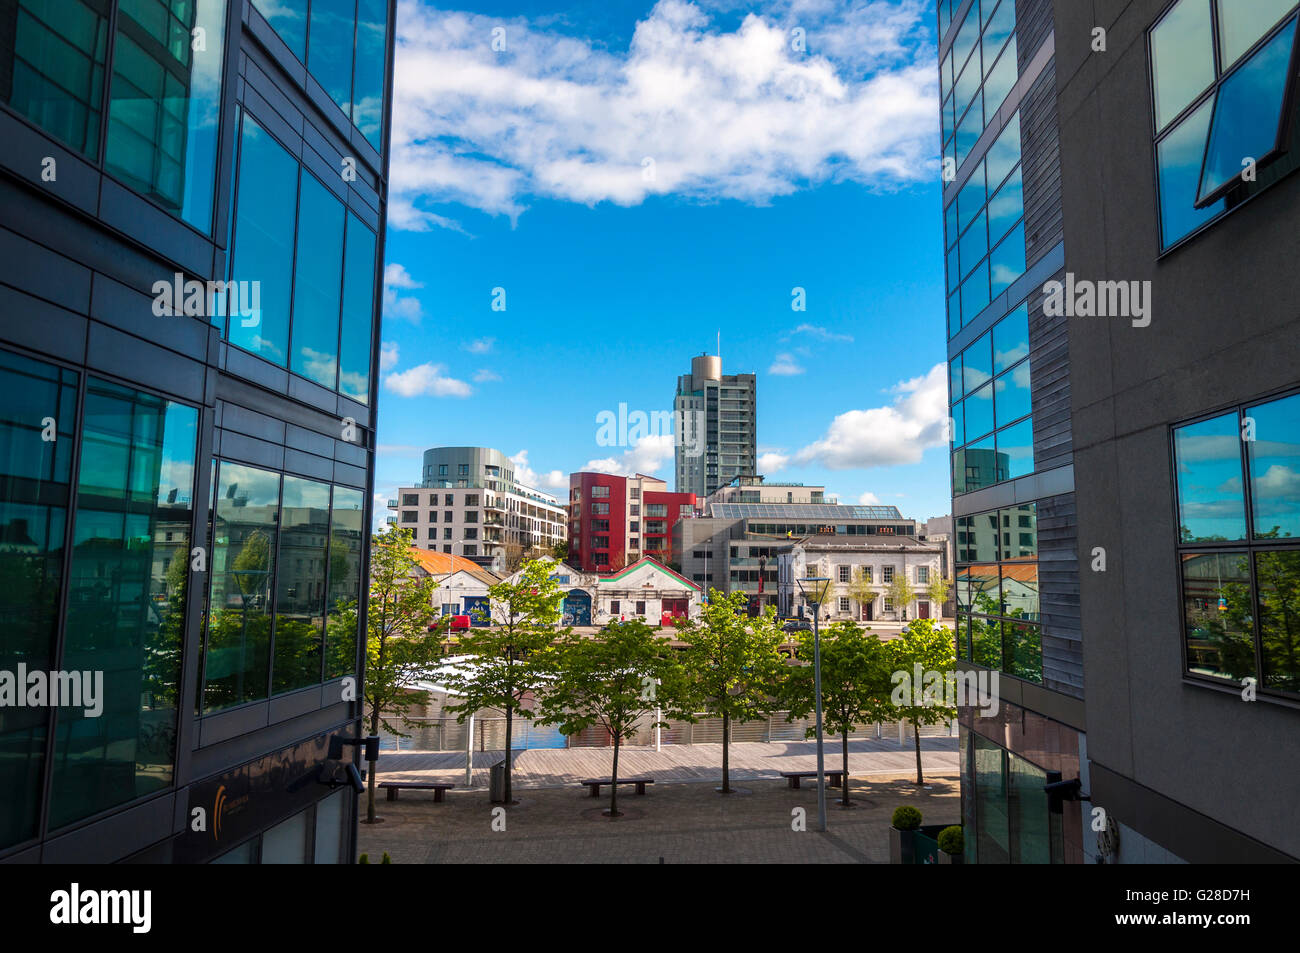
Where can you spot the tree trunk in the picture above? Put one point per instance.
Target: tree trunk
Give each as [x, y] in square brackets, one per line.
[916, 729]
[371, 780]
[726, 745]
[613, 788]
[844, 749]
[510, 712]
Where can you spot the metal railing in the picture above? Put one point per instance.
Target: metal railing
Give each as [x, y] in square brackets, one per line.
[446, 734]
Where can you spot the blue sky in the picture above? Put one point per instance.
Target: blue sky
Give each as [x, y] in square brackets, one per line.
[771, 167]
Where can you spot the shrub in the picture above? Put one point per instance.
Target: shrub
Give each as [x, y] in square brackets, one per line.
[906, 818]
[363, 859]
[387, 859]
[951, 840]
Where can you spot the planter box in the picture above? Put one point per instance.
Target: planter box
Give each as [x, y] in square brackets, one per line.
[903, 844]
[947, 858]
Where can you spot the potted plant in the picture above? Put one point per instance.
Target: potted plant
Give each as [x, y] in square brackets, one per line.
[952, 845]
[903, 829]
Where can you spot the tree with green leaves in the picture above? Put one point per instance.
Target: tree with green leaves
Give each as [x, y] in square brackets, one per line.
[901, 592]
[861, 588]
[855, 684]
[937, 591]
[612, 680]
[512, 659]
[734, 667]
[926, 647]
[400, 647]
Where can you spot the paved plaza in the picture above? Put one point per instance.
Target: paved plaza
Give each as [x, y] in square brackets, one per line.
[680, 820]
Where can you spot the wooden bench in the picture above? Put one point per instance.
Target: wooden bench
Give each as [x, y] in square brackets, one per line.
[597, 783]
[833, 776]
[437, 787]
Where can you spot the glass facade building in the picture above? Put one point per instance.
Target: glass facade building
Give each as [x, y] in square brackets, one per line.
[192, 227]
[1015, 546]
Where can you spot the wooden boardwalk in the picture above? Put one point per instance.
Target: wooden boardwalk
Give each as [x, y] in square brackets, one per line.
[545, 768]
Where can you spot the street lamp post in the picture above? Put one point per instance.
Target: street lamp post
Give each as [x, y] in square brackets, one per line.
[814, 589]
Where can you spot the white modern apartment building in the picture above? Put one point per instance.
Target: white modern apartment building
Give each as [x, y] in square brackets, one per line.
[468, 504]
[717, 436]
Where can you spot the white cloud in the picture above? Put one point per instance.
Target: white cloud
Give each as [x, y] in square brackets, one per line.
[402, 307]
[820, 333]
[772, 461]
[785, 365]
[480, 345]
[426, 380]
[887, 436]
[388, 355]
[735, 114]
[648, 456]
[550, 480]
[869, 499]
[484, 376]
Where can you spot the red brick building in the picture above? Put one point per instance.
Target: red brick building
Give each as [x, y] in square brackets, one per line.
[615, 520]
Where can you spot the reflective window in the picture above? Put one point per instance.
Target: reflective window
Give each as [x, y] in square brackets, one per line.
[1015, 450]
[1218, 615]
[998, 590]
[1011, 339]
[1274, 458]
[1211, 502]
[358, 311]
[300, 584]
[1012, 395]
[317, 280]
[368, 75]
[289, 18]
[164, 110]
[126, 599]
[1022, 650]
[979, 412]
[329, 55]
[37, 401]
[243, 563]
[1277, 574]
[264, 240]
[1216, 117]
[347, 536]
[1007, 262]
[52, 59]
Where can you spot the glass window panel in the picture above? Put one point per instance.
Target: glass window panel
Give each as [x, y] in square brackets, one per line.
[164, 110]
[329, 57]
[126, 606]
[1247, 119]
[945, 17]
[974, 244]
[34, 489]
[1007, 262]
[982, 542]
[1004, 154]
[982, 464]
[1020, 590]
[1007, 207]
[1027, 807]
[300, 584]
[1011, 338]
[977, 363]
[945, 76]
[979, 412]
[268, 190]
[1207, 464]
[970, 128]
[1182, 58]
[963, 638]
[1180, 155]
[347, 536]
[286, 843]
[946, 117]
[1218, 616]
[368, 78]
[968, 84]
[243, 565]
[1001, 25]
[958, 425]
[975, 294]
[1011, 397]
[1019, 532]
[1278, 576]
[993, 835]
[1241, 25]
[358, 311]
[330, 834]
[968, 37]
[245, 853]
[954, 269]
[955, 386]
[1274, 458]
[1022, 653]
[54, 67]
[954, 314]
[1016, 450]
[316, 283]
[1001, 79]
[986, 642]
[289, 20]
[951, 228]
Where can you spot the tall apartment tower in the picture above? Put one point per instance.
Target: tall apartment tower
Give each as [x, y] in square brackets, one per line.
[1179, 150]
[715, 424]
[1017, 576]
[186, 467]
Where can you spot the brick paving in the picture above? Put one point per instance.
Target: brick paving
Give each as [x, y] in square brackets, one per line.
[675, 823]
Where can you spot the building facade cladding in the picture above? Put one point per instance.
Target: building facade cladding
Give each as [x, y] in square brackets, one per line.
[716, 416]
[202, 450]
[1014, 514]
[1185, 431]
[615, 520]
